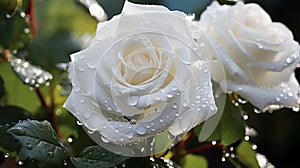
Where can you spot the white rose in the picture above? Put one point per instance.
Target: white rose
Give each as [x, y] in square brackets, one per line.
[142, 78]
[259, 56]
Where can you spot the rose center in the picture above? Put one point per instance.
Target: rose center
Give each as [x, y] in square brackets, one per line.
[137, 68]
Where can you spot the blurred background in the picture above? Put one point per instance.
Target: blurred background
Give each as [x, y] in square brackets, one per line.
[63, 26]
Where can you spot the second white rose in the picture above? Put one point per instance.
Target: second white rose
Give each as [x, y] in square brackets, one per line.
[259, 56]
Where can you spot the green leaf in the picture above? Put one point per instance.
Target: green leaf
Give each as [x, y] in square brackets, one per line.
[98, 157]
[10, 114]
[40, 146]
[7, 141]
[1, 87]
[192, 161]
[231, 127]
[246, 155]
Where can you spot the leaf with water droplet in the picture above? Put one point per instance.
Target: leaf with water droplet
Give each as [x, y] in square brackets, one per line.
[34, 137]
[96, 156]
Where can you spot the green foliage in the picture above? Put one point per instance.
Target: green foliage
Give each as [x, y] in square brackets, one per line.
[230, 128]
[98, 157]
[39, 144]
[8, 5]
[1, 87]
[17, 93]
[246, 155]
[13, 114]
[193, 161]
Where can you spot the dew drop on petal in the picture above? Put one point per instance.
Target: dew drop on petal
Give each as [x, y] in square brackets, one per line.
[169, 95]
[295, 109]
[171, 136]
[105, 140]
[130, 135]
[278, 99]
[133, 100]
[174, 88]
[79, 123]
[141, 130]
[132, 122]
[257, 111]
[289, 60]
[175, 106]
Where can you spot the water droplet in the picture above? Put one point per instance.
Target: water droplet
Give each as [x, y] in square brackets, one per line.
[18, 131]
[260, 46]
[132, 122]
[257, 111]
[81, 100]
[254, 147]
[161, 120]
[65, 163]
[214, 142]
[20, 163]
[130, 135]
[142, 149]
[174, 88]
[70, 140]
[91, 66]
[169, 95]
[133, 100]
[22, 14]
[141, 130]
[82, 57]
[50, 154]
[296, 109]
[28, 146]
[26, 30]
[79, 123]
[290, 94]
[289, 60]
[185, 104]
[105, 140]
[247, 138]
[175, 106]
[158, 98]
[171, 136]
[76, 88]
[245, 117]
[81, 69]
[223, 159]
[278, 99]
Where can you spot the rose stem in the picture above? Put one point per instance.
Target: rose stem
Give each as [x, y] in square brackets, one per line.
[48, 109]
[31, 13]
[204, 147]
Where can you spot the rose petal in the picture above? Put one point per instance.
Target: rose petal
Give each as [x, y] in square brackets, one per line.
[286, 94]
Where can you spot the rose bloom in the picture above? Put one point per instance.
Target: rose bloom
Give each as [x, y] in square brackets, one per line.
[259, 56]
[142, 82]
